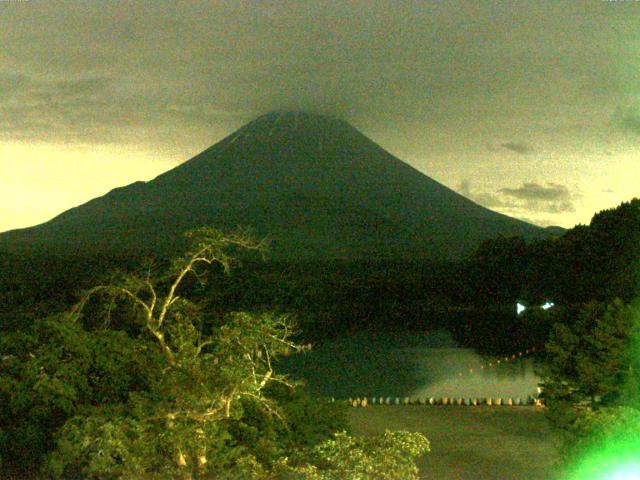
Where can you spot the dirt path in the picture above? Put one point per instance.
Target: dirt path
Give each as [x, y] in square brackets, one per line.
[478, 443]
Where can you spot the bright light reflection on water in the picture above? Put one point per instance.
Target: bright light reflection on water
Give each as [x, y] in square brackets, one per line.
[418, 365]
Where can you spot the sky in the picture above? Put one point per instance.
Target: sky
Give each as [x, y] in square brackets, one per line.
[529, 108]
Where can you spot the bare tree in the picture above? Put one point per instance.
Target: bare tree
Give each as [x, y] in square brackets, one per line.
[204, 374]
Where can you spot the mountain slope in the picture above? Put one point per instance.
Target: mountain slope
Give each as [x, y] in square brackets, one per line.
[315, 184]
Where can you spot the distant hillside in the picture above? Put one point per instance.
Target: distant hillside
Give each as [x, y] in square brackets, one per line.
[316, 185]
[556, 230]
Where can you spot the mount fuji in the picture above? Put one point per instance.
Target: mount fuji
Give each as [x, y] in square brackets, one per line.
[314, 184]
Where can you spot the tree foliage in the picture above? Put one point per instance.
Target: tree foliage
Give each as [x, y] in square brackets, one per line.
[54, 370]
[597, 262]
[591, 368]
[136, 381]
[390, 457]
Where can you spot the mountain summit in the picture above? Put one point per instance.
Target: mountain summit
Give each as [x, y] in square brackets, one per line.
[316, 185]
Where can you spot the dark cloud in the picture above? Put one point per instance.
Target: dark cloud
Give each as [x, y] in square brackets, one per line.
[185, 64]
[41, 110]
[541, 222]
[535, 191]
[93, 110]
[552, 198]
[464, 188]
[519, 147]
[486, 199]
[11, 83]
[529, 198]
[627, 118]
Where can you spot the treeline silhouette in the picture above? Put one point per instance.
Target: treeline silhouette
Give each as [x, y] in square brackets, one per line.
[475, 299]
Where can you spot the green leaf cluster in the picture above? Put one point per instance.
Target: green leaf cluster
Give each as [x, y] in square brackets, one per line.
[85, 395]
[591, 371]
[55, 370]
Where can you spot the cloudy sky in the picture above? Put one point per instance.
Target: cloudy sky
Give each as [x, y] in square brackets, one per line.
[530, 108]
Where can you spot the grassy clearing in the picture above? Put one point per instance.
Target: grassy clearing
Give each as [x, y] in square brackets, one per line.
[479, 443]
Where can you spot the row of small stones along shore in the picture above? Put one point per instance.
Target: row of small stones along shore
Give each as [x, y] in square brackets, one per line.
[456, 401]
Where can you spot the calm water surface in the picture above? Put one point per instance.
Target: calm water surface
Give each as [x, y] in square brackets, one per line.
[409, 364]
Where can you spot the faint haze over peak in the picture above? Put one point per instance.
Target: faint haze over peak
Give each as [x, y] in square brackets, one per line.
[127, 89]
[294, 116]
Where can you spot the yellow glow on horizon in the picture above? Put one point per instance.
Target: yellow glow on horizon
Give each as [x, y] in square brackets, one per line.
[40, 181]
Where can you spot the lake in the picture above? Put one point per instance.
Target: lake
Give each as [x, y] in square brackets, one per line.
[409, 364]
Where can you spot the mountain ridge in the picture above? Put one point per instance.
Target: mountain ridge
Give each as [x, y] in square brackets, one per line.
[313, 182]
